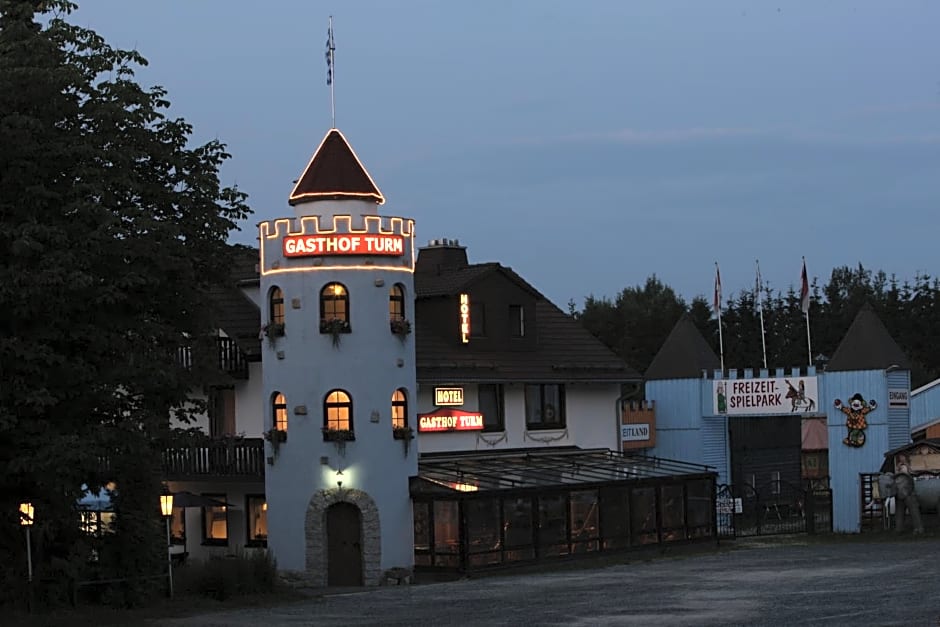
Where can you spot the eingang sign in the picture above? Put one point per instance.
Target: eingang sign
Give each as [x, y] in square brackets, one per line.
[343, 244]
[783, 395]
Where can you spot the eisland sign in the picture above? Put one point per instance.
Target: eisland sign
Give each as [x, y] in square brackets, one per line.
[783, 395]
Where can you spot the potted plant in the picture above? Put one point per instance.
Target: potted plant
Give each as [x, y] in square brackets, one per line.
[275, 437]
[404, 433]
[334, 326]
[273, 330]
[400, 327]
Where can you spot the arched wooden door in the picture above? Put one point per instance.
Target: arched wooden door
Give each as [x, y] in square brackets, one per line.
[344, 545]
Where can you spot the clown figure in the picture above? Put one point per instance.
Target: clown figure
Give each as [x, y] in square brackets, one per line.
[855, 419]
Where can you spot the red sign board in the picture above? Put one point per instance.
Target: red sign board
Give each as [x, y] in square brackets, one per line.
[446, 419]
[343, 244]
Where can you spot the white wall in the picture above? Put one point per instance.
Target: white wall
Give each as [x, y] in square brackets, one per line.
[590, 410]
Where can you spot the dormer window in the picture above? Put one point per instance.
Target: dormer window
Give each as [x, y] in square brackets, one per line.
[516, 321]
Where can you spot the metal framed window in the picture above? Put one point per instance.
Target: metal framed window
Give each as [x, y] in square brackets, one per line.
[334, 308]
[279, 411]
[338, 411]
[545, 406]
[399, 408]
[396, 303]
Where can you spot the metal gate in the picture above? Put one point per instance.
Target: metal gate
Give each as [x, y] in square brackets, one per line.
[778, 507]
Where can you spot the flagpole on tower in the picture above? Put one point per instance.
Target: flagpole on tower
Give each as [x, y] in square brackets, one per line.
[760, 308]
[804, 305]
[330, 62]
[717, 305]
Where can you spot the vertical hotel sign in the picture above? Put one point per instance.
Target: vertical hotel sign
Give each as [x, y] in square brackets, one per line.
[464, 318]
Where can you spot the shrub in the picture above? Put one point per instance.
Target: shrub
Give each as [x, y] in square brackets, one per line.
[221, 578]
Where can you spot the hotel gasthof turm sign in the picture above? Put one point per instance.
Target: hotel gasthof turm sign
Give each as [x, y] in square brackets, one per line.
[783, 395]
[343, 244]
[448, 397]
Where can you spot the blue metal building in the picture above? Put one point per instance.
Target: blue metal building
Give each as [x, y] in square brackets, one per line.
[751, 425]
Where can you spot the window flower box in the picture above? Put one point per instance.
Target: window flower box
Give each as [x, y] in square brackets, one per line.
[338, 435]
[400, 327]
[335, 327]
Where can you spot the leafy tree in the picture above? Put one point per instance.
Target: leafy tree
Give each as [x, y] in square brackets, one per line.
[112, 230]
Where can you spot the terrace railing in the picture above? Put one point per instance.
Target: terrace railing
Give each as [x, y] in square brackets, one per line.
[225, 457]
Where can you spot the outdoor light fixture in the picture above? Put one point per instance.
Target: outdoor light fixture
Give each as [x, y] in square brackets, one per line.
[26, 520]
[166, 508]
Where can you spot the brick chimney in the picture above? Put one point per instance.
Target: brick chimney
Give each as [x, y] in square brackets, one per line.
[441, 255]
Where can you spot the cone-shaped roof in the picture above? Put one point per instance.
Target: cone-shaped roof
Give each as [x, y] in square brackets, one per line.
[683, 355]
[867, 345]
[335, 173]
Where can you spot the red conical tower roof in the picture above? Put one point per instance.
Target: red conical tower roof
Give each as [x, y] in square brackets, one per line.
[335, 173]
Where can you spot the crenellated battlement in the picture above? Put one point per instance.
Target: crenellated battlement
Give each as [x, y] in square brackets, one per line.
[358, 224]
[330, 242]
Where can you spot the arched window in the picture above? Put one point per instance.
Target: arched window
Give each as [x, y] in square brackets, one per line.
[279, 411]
[337, 411]
[334, 309]
[396, 303]
[399, 409]
[276, 306]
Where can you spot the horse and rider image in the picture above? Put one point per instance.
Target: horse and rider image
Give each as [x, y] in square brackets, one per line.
[797, 397]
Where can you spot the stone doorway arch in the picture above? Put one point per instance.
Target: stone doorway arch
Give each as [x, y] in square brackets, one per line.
[315, 529]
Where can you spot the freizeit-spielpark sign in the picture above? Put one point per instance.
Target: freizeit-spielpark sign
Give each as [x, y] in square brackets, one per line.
[782, 395]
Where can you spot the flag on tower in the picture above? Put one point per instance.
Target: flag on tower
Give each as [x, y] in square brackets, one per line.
[330, 49]
[804, 290]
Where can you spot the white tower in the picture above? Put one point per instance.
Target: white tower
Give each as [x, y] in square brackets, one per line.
[339, 376]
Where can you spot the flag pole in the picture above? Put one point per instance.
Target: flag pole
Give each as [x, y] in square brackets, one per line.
[330, 76]
[760, 305]
[721, 343]
[804, 305]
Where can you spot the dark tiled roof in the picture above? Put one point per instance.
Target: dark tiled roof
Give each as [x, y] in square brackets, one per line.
[683, 355]
[867, 345]
[240, 318]
[451, 282]
[334, 172]
[565, 352]
[236, 314]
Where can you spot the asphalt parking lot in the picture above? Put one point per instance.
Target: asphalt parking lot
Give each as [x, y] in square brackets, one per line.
[772, 582]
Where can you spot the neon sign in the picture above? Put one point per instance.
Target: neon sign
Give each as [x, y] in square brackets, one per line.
[464, 318]
[448, 397]
[450, 420]
[343, 244]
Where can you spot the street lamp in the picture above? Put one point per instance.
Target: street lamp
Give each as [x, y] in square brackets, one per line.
[166, 508]
[26, 520]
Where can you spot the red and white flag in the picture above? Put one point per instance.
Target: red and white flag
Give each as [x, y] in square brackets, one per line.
[804, 290]
[717, 303]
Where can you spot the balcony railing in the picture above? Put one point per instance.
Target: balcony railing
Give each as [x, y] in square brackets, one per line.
[231, 358]
[228, 457]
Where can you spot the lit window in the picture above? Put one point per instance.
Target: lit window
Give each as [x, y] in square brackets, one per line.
[334, 309]
[337, 411]
[178, 526]
[279, 412]
[545, 406]
[276, 306]
[396, 303]
[399, 409]
[257, 509]
[215, 522]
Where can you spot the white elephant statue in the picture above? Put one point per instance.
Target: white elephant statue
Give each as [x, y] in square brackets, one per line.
[901, 485]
